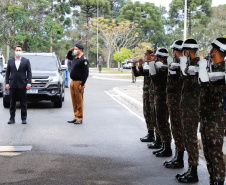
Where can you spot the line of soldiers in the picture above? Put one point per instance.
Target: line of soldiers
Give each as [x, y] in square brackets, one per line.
[188, 91]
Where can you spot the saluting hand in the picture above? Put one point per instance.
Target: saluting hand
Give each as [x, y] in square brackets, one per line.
[72, 49]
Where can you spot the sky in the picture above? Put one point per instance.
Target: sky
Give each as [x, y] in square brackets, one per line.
[167, 2]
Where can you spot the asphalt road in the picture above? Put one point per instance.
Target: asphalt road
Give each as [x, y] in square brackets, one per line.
[104, 150]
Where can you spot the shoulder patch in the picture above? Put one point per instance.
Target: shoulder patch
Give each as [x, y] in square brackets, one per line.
[85, 63]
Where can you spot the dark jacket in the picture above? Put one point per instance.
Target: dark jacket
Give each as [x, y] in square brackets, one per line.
[79, 68]
[21, 77]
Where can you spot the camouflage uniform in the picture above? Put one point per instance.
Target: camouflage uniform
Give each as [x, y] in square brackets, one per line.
[174, 86]
[149, 112]
[161, 109]
[146, 103]
[190, 114]
[213, 124]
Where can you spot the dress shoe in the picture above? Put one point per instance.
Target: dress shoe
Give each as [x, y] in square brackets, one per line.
[190, 176]
[166, 152]
[24, 122]
[150, 137]
[72, 121]
[11, 121]
[78, 122]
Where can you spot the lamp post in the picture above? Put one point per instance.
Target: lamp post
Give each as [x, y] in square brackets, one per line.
[185, 20]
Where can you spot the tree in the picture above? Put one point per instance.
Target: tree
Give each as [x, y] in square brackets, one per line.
[199, 12]
[35, 25]
[141, 48]
[121, 56]
[116, 7]
[149, 18]
[55, 21]
[89, 9]
[116, 34]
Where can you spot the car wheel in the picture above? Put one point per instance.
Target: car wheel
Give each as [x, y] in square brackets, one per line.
[6, 104]
[1, 94]
[58, 104]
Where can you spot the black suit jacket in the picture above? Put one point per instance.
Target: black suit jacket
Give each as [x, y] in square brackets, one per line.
[21, 77]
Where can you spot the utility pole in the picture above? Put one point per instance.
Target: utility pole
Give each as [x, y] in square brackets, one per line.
[185, 20]
[97, 30]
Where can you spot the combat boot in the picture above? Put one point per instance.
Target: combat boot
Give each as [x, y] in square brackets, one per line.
[218, 183]
[156, 144]
[177, 161]
[149, 138]
[161, 149]
[166, 152]
[190, 176]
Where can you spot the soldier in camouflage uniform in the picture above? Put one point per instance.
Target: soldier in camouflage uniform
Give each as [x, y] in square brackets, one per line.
[212, 115]
[189, 108]
[148, 111]
[174, 86]
[159, 78]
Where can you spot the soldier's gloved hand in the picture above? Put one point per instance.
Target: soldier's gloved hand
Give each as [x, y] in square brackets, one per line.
[224, 102]
[186, 71]
[158, 65]
[174, 65]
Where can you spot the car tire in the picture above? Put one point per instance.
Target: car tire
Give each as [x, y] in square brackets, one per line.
[6, 104]
[63, 97]
[58, 103]
[1, 94]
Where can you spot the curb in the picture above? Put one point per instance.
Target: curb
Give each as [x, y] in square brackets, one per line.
[127, 97]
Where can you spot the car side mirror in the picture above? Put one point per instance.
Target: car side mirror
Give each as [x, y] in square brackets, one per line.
[63, 67]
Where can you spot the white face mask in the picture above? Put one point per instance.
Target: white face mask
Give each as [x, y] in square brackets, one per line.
[75, 52]
[18, 53]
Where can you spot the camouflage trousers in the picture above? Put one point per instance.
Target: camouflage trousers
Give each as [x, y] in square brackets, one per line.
[212, 132]
[190, 121]
[149, 111]
[162, 117]
[173, 103]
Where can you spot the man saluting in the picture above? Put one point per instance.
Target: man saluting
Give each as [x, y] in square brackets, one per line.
[79, 74]
[18, 81]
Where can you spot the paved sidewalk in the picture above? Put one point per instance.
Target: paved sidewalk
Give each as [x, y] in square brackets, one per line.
[133, 95]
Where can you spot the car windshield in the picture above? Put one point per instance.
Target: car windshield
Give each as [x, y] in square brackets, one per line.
[42, 63]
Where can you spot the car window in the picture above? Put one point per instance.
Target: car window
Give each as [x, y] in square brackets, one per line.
[42, 63]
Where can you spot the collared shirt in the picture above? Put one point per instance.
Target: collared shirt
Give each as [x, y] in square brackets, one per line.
[66, 61]
[17, 62]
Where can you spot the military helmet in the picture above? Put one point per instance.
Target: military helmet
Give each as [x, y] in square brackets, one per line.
[220, 44]
[189, 44]
[162, 52]
[177, 45]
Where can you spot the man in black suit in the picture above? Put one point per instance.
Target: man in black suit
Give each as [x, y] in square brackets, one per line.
[18, 81]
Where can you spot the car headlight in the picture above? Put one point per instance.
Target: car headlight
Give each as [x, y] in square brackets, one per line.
[54, 79]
